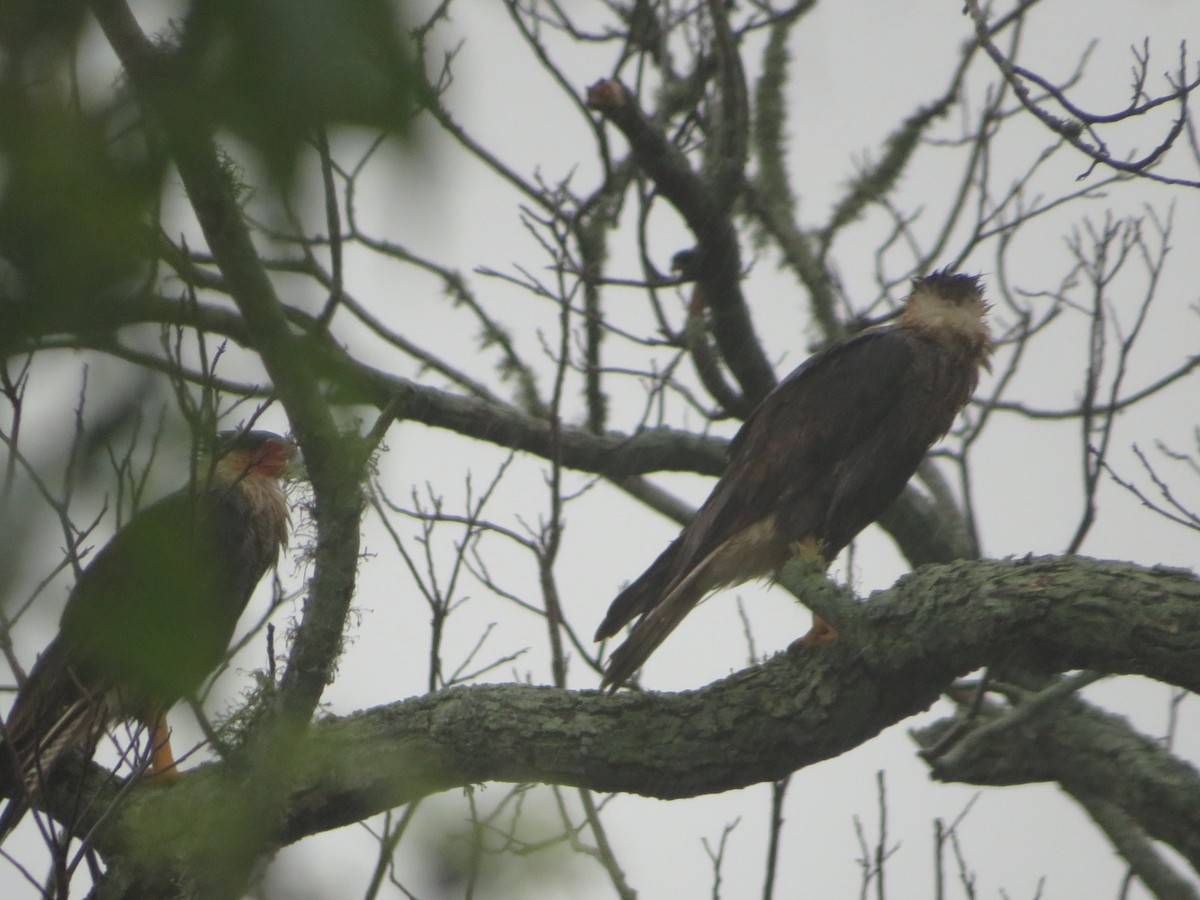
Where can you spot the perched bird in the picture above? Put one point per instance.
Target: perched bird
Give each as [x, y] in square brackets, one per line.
[817, 461]
[151, 616]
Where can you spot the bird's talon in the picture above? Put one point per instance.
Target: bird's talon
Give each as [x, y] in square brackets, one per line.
[809, 552]
[820, 633]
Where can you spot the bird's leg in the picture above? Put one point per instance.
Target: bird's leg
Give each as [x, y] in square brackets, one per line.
[808, 552]
[162, 760]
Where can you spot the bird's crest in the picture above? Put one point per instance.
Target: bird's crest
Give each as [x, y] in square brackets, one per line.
[949, 306]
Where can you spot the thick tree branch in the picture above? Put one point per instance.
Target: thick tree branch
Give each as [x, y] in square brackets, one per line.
[1136, 847]
[718, 259]
[1094, 755]
[335, 474]
[729, 128]
[906, 647]
[613, 454]
[912, 520]
[335, 467]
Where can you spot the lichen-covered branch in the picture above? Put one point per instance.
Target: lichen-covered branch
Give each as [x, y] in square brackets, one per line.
[718, 259]
[334, 472]
[906, 647]
[1094, 755]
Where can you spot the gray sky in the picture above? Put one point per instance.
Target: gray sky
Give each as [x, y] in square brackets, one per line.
[858, 69]
[852, 84]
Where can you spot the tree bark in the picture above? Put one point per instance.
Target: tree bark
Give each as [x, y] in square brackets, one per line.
[898, 652]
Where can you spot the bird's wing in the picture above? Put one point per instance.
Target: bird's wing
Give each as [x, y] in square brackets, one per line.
[781, 462]
[112, 603]
[68, 699]
[53, 713]
[785, 456]
[122, 587]
[156, 608]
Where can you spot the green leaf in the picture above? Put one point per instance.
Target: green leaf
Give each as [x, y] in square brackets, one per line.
[273, 71]
[74, 204]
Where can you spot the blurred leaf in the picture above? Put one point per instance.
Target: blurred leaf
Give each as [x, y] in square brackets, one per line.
[275, 70]
[29, 25]
[73, 213]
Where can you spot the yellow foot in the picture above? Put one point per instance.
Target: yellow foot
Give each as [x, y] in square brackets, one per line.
[808, 551]
[162, 768]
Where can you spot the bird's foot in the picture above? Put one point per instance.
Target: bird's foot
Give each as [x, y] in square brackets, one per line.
[162, 768]
[820, 633]
[808, 551]
[162, 777]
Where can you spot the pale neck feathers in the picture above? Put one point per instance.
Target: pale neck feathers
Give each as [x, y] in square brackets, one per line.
[945, 320]
[265, 497]
[261, 492]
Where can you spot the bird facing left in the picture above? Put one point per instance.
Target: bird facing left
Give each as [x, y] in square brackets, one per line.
[150, 617]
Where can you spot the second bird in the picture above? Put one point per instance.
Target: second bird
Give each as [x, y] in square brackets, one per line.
[150, 617]
[817, 461]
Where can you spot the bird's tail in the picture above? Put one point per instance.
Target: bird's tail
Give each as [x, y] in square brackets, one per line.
[12, 786]
[662, 613]
[10, 818]
[50, 717]
[642, 594]
[645, 638]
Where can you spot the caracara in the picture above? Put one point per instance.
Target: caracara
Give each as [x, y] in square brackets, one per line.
[151, 616]
[817, 461]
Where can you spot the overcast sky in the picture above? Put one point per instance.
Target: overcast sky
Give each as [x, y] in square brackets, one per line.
[859, 68]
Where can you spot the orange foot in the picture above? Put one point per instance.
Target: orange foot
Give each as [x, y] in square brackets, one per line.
[820, 633]
[162, 769]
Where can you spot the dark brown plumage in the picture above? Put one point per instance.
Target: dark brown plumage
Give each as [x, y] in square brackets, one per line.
[151, 616]
[818, 460]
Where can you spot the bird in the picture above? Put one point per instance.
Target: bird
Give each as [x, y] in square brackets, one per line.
[151, 616]
[817, 461]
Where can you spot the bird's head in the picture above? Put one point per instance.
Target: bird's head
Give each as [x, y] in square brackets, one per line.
[950, 305]
[241, 454]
